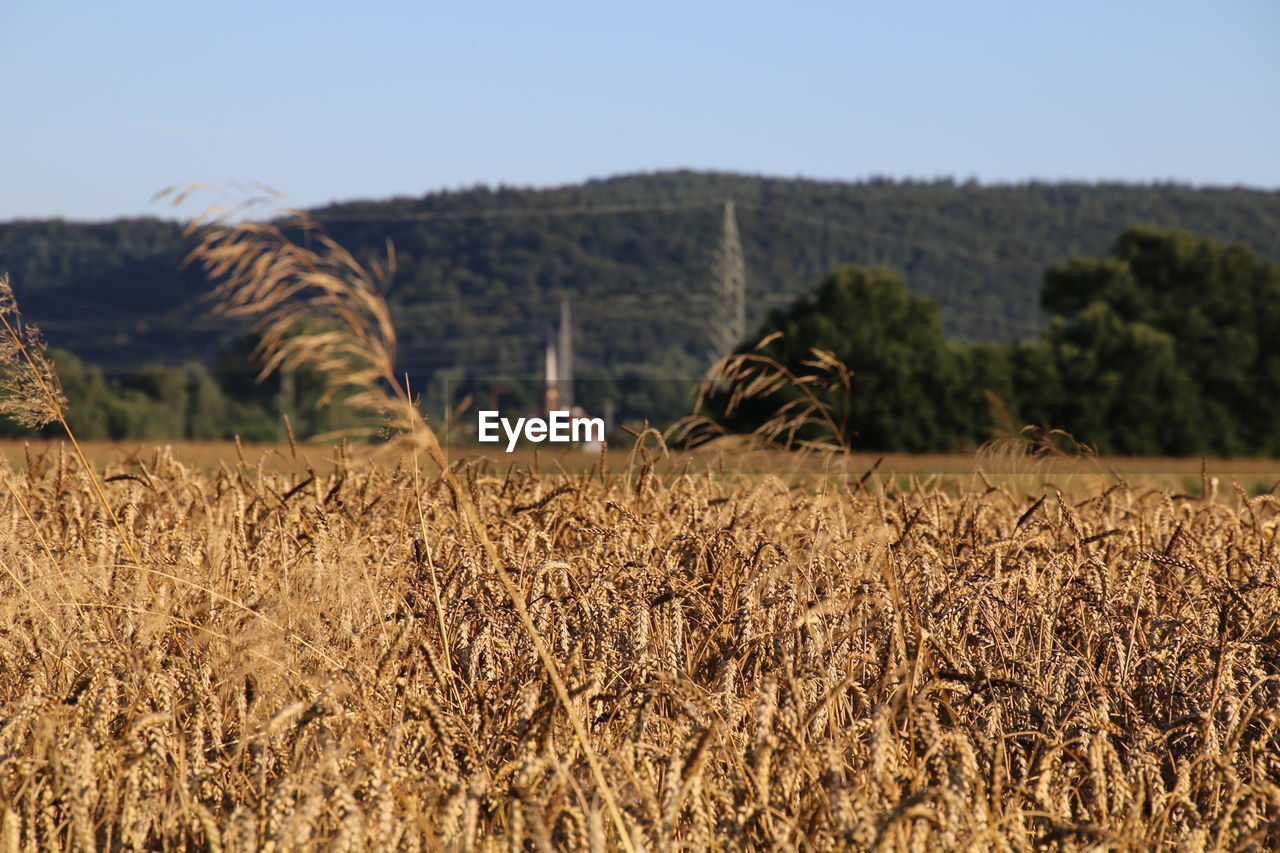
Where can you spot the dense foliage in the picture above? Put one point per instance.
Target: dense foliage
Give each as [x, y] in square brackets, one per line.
[189, 401]
[481, 271]
[1170, 346]
[480, 275]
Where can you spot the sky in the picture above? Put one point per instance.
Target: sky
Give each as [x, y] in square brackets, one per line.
[107, 103]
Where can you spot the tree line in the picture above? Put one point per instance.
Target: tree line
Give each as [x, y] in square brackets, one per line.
[1170, 345]
[190, 401]
[481, 271]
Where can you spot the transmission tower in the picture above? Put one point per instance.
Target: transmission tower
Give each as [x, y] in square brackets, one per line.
[728, 325]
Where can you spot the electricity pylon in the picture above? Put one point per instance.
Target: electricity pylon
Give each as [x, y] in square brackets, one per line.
[728, 326]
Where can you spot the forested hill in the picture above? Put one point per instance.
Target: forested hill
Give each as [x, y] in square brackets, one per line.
[481, 271]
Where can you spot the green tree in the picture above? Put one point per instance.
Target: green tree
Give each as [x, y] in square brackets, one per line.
[88, 395]
[908, 380]
[207, 411]
[1171, 346]
[163, 401]
[1121, 388]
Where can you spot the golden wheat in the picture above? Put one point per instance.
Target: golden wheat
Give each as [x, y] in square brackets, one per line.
[757, 665]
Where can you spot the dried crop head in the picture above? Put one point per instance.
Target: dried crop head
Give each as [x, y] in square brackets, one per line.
[316, 305]
[739, 378]
[30, 393]
[1037, 452]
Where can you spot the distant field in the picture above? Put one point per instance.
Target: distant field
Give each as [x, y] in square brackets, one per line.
[1179, 475]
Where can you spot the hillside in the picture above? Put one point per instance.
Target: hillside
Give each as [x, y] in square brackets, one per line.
[481, 271]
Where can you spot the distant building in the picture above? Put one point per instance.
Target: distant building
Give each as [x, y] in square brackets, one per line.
[557, 374]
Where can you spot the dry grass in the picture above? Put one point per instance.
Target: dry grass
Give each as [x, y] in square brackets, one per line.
[758, 666]
[315, 305]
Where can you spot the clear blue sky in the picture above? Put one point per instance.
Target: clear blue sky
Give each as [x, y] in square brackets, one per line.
[105, 103]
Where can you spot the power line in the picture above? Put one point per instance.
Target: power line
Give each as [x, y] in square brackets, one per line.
[876, 235]
[521, 212]
[644, 207]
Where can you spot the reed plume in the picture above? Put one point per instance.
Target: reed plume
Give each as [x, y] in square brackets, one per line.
[315, 304]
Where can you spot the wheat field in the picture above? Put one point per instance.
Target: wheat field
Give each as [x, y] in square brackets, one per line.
[325, 658]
